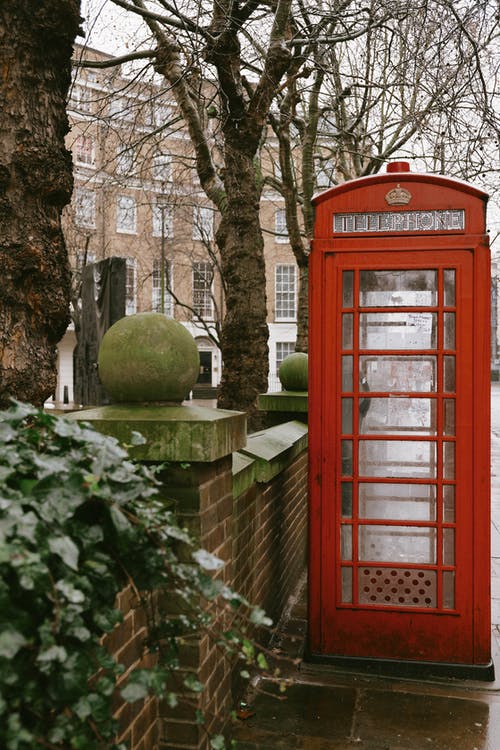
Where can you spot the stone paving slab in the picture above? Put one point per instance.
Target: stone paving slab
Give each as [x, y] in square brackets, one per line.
[331, 717]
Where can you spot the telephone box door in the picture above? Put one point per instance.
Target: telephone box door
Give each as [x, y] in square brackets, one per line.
[401, 442]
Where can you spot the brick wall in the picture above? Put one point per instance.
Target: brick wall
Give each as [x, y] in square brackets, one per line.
[138, 725]
[250, 509]
[269, 535]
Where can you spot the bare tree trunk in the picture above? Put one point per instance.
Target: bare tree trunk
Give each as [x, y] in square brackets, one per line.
[302, 342]
[35, 183]
[244, 330]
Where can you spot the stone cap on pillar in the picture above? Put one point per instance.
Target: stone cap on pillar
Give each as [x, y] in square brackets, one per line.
[149, 364]
[293, 399]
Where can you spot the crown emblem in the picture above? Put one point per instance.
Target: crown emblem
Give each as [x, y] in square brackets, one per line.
[398, 196]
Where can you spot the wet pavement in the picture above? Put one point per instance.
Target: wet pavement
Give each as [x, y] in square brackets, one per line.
[326, 708]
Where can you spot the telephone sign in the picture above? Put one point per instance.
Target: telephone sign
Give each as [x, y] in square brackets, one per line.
[399, 426]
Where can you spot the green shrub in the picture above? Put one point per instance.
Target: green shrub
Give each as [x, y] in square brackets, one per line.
[78, 522]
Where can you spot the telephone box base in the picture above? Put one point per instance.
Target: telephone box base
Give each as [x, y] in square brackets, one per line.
[406, 669]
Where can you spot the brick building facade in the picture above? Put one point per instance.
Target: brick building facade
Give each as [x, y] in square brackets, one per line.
[137, 196]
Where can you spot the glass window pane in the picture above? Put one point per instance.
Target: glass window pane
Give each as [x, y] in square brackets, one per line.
[398, 288]
[449, 460]
[397, 587]
[449, 416]
[347, 373]
[397, 458]
[346, 499]
[346, 542]
[449, 330]
[449, 287]
[397, 416]
[449, 503]
[412, 502]
[397, 544]
[448, 589]
[449, 374]
[285, 278]
[399, 374]
[346, 458]
[347, 288]
[346, 585]
[347, 331]
[448, 546]
[347, 416]
[414, 330]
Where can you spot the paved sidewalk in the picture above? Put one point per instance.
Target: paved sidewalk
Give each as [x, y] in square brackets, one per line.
[328, 709]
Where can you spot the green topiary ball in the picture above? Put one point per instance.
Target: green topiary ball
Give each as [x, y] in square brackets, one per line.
[148, 357]
[293, 372]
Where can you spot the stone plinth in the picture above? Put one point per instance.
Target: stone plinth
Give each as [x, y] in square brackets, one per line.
[172, 433]
[284, 406]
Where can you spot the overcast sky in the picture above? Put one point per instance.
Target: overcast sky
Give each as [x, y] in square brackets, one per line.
[108, 27]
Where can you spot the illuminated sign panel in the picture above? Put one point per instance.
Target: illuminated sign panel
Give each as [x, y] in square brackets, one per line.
[450, 220]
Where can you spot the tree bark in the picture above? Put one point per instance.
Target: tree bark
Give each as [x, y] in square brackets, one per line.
[244, 330]
[36, 40]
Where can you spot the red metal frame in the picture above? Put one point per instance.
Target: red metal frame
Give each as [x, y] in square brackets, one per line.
[461, 635]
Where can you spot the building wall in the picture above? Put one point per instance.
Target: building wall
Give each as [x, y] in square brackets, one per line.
[65, 367]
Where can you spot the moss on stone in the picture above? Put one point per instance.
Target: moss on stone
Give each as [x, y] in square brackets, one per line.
[148, 357]
[293, 372]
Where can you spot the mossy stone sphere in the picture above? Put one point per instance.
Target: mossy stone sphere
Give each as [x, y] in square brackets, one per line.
[293, 372]
[148, 357]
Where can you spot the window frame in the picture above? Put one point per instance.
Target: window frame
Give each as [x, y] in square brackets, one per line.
[83, 198]
[131, 286]
[125, 158]
[156, 287]
[161, 166]
[286, 344]
[121, 227]
[204, 310]
[157, 209]
[280, 227]
[283, 296]
[84, 150]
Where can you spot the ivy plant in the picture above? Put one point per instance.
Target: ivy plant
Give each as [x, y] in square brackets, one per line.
[78, 523]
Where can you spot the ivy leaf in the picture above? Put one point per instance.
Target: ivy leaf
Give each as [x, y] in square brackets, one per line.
[27, 485]
[193, 684]
[67, 428]
[136, 438]
[72, 594]
[81, 633]
[120, 522]
[218, 742]
[6, 432]
[248, 649]
[259, 617]
[54, 653]
[175, 532]
[11, 641]
[66, 549]
[209, 588]
[141, 683]
[83, 708]
[207, 561]
[262, 661]
[48, 466]
[134, 692]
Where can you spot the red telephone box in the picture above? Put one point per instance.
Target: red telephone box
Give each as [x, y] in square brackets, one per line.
[399, 391]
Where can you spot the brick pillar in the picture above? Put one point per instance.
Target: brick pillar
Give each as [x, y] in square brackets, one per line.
[204, 439]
